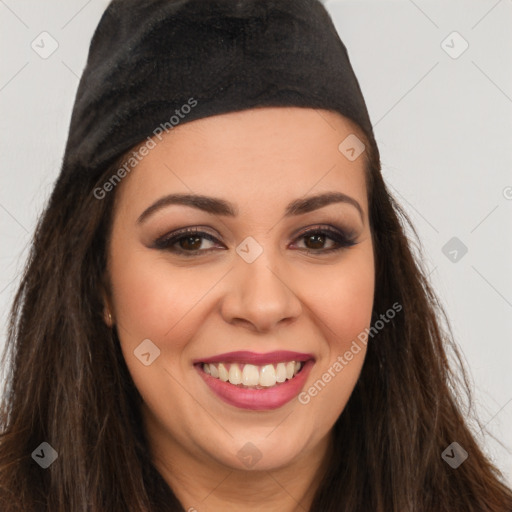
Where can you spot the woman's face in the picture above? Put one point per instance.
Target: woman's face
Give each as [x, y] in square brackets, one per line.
[258, 292]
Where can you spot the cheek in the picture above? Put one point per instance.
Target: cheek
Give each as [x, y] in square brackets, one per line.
[150, 297]
[342, 298]
[343, 308]
[153, 301]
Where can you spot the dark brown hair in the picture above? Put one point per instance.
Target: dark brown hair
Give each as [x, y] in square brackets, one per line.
[68, 385]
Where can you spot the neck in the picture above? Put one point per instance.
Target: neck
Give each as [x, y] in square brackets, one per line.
[206, 486]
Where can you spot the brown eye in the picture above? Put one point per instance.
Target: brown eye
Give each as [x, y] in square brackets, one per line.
[190, 243]
[186, 241]
[315, 240]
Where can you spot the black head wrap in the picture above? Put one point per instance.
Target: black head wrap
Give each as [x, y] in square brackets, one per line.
[156, 64]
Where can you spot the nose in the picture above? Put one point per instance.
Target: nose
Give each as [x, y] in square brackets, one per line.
[260, 295]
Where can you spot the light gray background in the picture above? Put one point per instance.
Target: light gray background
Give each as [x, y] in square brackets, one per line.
[443, 126]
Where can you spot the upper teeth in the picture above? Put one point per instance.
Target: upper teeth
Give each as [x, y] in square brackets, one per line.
[251, 375]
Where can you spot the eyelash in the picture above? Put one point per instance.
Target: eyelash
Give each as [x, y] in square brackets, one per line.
[167, 242]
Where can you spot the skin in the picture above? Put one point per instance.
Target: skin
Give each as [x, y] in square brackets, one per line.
[202, 305]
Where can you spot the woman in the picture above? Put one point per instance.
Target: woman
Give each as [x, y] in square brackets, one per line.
[221, 310]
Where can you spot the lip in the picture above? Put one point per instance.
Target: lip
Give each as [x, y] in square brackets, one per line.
[257, 399]
[246, 357]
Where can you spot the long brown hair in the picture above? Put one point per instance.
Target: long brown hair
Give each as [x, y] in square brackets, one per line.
[67, 384]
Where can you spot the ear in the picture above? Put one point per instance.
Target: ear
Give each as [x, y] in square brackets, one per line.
[108, 316]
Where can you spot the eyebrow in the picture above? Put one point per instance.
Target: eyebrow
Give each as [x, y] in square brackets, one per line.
[221, 207]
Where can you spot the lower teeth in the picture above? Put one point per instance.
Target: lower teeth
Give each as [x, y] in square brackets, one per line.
[258, 386]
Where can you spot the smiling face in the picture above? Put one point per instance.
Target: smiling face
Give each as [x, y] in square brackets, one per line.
[271, 284]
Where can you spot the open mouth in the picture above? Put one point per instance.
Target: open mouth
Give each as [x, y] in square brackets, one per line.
[252, 376]
[256, 381]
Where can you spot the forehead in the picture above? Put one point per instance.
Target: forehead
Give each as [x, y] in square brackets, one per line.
[256, 155]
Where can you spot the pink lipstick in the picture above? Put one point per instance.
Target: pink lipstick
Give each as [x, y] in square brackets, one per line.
[250, 380]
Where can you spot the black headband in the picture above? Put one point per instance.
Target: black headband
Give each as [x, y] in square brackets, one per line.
[155, 64]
